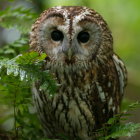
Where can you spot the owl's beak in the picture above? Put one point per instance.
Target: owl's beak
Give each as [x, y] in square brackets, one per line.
[69, 53]
[69, 56]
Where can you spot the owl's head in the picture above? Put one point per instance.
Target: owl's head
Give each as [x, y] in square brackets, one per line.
[71, 34]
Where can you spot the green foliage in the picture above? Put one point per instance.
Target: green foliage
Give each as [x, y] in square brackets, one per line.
[22, 71]
[128, 129]
[29, 68]
[15, 48]
[20, 18]
[16, 96]
[116, 127]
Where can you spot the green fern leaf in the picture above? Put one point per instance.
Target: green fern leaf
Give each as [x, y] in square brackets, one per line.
[29, 68]
[20, 18]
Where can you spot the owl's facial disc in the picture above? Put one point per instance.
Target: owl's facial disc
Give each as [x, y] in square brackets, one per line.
[70, 34]
[70, 50]
[70, 46]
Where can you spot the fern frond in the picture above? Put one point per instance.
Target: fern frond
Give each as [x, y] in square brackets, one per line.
[115, 129]
[123, 130]
[29, 68]
[20, 18]
[12, 49]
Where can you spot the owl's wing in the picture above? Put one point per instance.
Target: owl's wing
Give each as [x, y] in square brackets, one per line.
[121, 71]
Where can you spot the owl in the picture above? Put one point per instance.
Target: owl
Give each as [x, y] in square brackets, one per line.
[92, 78]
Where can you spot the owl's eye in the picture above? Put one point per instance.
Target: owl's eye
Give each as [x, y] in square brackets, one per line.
[83, 36]
[57, 35]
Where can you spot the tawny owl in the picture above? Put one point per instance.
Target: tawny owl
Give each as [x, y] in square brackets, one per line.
[92, 77]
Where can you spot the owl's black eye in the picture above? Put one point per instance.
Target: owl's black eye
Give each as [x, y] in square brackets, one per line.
[83, 36]
[57, 35]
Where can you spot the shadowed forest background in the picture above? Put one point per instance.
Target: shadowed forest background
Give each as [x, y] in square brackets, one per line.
[123, 18]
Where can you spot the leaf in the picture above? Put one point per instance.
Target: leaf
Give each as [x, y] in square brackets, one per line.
[20, 18]
[29, 68]
[116, 127]
[13, 49]
[29, 58]
[128, 129]
[134, 106]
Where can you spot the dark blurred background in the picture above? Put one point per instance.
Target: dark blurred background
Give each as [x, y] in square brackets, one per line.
[123, 18]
